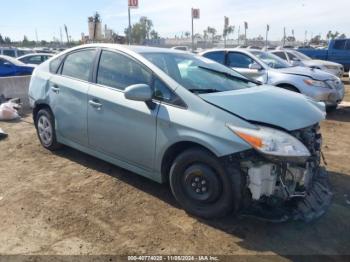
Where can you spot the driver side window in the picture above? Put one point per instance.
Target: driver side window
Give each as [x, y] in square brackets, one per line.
[239, 60]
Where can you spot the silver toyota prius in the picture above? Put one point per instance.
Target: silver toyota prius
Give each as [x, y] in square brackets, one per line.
[224, 143]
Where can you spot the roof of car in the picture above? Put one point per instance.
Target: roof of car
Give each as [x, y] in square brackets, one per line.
[134, 48]
[11, 60]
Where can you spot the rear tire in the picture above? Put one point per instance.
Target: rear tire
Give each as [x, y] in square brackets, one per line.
[202, 185]
[45, 126]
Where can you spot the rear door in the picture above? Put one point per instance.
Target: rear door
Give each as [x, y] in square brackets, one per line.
[68, 95]
[121, 128]
[242, 63]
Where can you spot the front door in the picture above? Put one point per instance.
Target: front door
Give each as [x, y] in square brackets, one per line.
[121, 128]
[68, 96]
[242, 63]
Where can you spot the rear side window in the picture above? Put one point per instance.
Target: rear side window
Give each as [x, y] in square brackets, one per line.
[281, 55]
[218, 56]
[119, 71]
[339, 44]
[78, 64]
[55, 64]
[239, 60]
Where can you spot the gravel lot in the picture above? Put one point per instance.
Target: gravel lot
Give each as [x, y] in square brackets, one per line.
[70, 203]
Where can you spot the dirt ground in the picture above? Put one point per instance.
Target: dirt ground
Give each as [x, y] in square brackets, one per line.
[70, 203]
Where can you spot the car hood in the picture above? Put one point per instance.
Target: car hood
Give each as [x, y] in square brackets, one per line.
[306, 71]
[320, 62]
[270, 105]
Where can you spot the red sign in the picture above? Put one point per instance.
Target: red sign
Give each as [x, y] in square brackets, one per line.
[195, 13]
[133, 3]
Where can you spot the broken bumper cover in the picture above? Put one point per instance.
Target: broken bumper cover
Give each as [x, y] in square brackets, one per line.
[317, 199]
[313, 205]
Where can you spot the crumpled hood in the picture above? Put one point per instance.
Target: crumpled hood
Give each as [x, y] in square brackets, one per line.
[315, 74]
[270, 105]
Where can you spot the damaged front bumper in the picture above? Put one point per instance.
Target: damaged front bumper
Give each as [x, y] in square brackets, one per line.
[307, 208]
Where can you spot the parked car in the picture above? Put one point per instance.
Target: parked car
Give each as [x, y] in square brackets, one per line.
[338, 51]
[299, 59]
[181, 48]
[223, 143]
[12, 67]
[270, 69]
[34, 59]
[14, 52]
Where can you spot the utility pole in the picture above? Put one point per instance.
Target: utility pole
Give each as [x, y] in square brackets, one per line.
[245, 32]
[129, 30]
[239, 31]
[66, 29]
[284, 36]
[226, 24]
[61, 35]
[131, 4]
[195, 14]
[36, 35]
[267, 32]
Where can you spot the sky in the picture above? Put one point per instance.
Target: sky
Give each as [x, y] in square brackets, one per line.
[172, 17]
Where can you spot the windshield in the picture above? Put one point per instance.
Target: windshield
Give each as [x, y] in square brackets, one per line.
[198, 74]
[271, 60]
[301, 56]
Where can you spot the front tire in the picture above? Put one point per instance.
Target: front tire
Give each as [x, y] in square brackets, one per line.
[201, 184]
[330, 109]
[45, 126]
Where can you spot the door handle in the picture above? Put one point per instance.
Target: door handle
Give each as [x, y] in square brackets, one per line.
[55, 89]
[95, 104]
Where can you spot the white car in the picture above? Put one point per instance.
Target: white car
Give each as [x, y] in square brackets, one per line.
[298, 59]
[34, 59]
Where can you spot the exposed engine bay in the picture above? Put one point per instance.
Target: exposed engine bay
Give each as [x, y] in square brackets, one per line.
[278, 190]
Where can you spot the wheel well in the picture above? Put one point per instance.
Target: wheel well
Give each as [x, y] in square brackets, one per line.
[172, 152]
[289, 87]
[37, 108]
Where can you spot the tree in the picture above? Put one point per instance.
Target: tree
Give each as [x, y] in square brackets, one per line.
[25, 41]
[316, 40]
[2, 41]
[187, 34]
[141, 31]
[7, 40]
[212, 31]
[331, 35]
[228, 30]
[154, 35]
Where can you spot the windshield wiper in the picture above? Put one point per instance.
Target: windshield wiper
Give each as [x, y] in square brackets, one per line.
[204, 90]
[246, 80]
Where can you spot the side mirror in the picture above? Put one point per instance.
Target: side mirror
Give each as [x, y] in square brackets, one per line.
[139, 92]
[255, 66]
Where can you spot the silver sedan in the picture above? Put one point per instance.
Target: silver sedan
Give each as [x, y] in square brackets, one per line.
[298, 59]
[270, 69]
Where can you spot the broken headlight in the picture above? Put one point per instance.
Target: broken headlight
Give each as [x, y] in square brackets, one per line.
[272, 142]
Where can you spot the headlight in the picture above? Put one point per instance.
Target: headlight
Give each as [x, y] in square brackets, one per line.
[272, 142]
[316, 83]
[331, 67]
